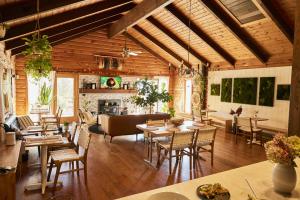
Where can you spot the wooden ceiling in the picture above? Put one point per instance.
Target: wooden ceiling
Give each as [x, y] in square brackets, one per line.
[217, 38]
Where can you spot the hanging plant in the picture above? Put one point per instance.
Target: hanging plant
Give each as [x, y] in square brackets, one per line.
[38, 53]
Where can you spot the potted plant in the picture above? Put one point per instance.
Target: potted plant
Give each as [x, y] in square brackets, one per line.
[283, 150]
[66, 126]
[44, 98]
[38, 54]
[148, 94]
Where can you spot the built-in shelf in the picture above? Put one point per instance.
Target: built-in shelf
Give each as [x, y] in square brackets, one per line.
[103, 90]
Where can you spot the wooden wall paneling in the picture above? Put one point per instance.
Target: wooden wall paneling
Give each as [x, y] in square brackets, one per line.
[97, 18]
[235, 28]
[146, 48]
[154, 47]
[21, 87]
[161, 45]
[72, 15]
[200, 33]
[140, 12]
[294, 112]
[22, 9]
[183, 44]
[289, 9]
[274, 12]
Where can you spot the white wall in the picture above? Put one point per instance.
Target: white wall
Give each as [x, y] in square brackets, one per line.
[277, 115]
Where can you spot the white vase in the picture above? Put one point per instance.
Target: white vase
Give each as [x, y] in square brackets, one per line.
[284, 178]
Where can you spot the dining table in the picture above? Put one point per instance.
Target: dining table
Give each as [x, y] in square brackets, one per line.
[44, 142]
[39, 112]
[206, 111]
[166, 131]
[254, 180]
[257, 119]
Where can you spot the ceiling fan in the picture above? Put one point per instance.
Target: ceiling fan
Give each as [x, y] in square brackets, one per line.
[126, 52]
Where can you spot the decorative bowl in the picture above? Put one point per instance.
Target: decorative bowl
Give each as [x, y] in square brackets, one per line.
[177, 121]
[167, 196]
[213, 192]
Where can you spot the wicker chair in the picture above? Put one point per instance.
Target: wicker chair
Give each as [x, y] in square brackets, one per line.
[179, 142]
[245, 128]
[204, 142]
[72, 155]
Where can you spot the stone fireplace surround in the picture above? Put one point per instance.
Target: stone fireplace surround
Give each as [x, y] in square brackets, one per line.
[94, 97]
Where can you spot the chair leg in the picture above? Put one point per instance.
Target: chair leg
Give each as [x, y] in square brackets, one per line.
[77, 167]
[85, 172]
[58, 165]
[170, 161]
[158, 155]
[50, 170]
[212, 155]
[39, 151]
[190, 155]
[136, 137]
[110, 139]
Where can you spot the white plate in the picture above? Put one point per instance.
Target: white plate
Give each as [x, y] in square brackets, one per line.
[167, 196]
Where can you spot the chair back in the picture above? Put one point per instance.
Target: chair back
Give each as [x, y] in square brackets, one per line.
[25, 122]
[156, 122]
[182, 138]
[57, 111]
[59, 117]
[84, 139]
[243, 122]
[74, 128]
[206, 135]
[80, 115]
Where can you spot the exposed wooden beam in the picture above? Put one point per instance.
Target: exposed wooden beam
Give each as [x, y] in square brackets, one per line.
[184, 45]
[25, 8]
[271, 8]
[56, 20]
[200, 33]
[140, 12]
[236, 30]
[129, 36]
[66, 36]
[294, 111]
[72, 25]
[161, 45]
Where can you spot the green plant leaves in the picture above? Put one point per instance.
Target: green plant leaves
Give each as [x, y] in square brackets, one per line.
[45, 95]
[38, 54]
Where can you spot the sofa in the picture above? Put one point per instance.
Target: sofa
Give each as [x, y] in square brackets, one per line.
[117, 125]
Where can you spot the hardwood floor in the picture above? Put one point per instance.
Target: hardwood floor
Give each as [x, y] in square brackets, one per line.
[116, 170]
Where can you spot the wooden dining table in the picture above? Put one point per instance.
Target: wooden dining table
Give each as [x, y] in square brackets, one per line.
[44, 142]
[165, 131]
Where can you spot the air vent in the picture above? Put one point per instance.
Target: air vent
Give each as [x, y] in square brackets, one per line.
[245, 11]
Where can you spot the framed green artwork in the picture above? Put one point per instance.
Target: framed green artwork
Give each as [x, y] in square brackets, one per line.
[245, 90]
[226, 90]
[266, 91]
[283, 92]
[215, 89]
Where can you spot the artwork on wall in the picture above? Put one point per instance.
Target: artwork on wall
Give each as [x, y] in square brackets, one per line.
[245, 90]
[107, 62]
[226, 90]
[283, 92]
[215, 89]
[266, 91]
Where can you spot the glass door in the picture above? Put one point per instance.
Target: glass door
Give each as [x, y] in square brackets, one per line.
[67, 96]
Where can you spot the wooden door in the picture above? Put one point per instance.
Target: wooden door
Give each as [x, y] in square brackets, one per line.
[66, 95]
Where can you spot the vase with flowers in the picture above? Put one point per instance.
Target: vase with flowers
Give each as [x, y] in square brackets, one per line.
[283, 151]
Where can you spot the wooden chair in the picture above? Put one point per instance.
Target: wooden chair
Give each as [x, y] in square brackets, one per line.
[155, 123]
[245, 128]
[204, 141]
[179, 142]
[202, 119]
[51, 115]
[71, 155]
[89, 118]
[53, 121]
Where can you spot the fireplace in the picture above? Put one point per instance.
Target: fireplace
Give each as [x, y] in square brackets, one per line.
[109, 106]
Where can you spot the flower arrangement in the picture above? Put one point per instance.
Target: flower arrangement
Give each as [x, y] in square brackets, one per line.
[283, 149]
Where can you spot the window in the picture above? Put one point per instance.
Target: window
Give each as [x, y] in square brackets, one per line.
[65, 95]
[188, 96]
